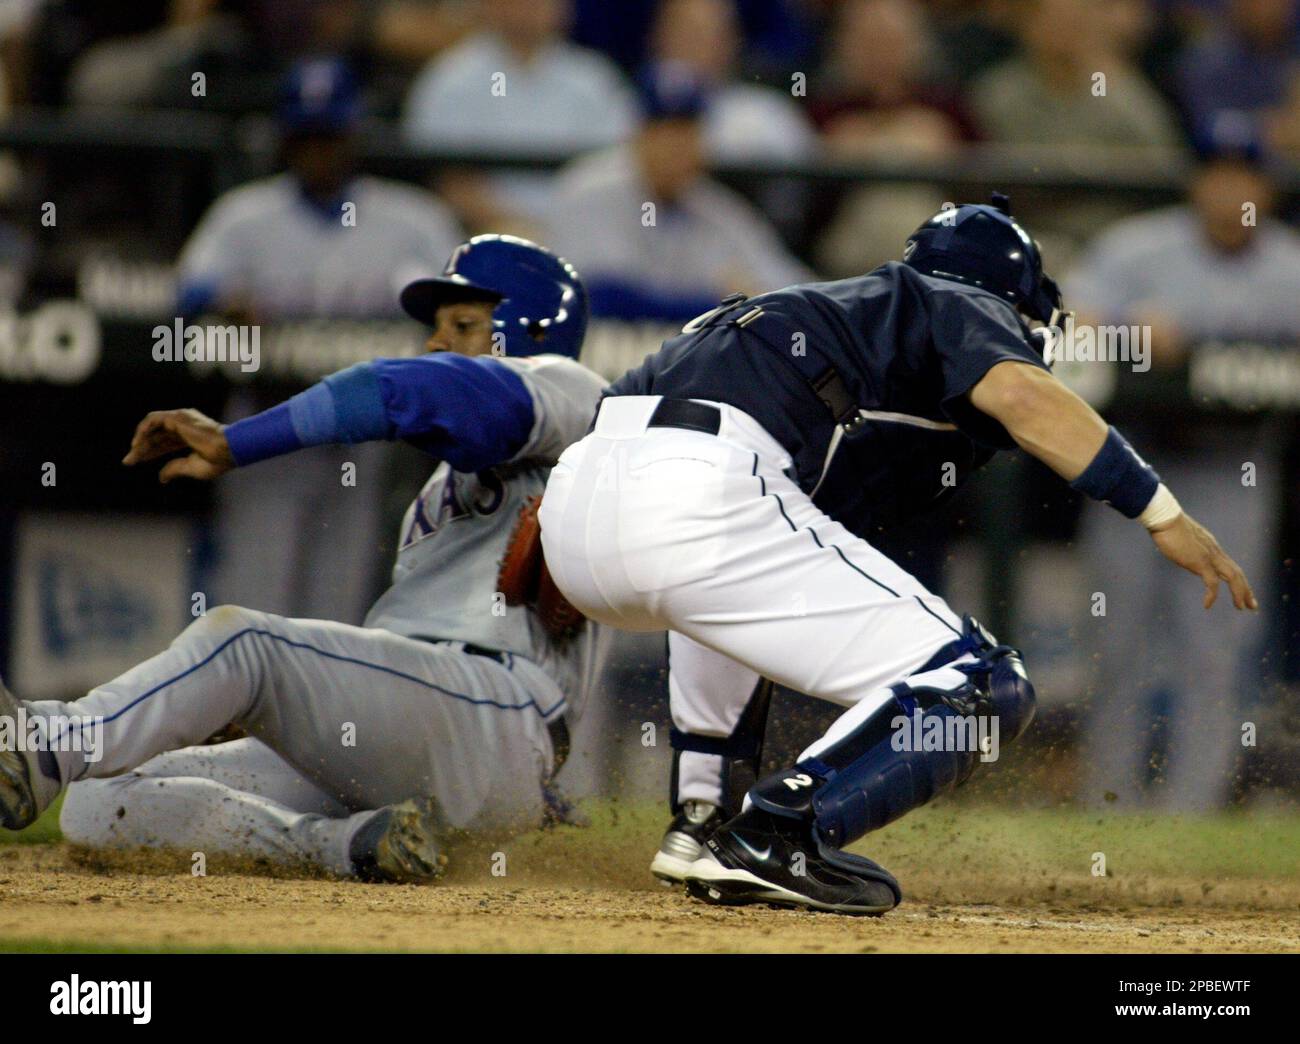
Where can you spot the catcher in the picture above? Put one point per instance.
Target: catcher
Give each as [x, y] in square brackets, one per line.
[367, 746]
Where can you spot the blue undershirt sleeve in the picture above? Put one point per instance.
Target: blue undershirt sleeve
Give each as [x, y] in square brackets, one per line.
[472, 412]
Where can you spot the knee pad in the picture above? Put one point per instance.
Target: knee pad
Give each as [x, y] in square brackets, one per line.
[1010, 692]
[926, 739]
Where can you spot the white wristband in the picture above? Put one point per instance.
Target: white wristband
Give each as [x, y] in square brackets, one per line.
[1163, 507]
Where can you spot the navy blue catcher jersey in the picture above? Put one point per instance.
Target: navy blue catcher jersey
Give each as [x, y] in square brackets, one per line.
[908, 348]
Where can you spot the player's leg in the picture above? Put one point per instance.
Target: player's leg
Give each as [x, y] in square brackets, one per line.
[718, 713]
[237, 799]
[263, 571]
[247, 765]
[371, 717]
[333, 580]
[1142, 654]
[1218, 681]
[884, 757]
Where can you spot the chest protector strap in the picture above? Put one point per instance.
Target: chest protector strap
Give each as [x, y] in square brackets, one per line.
[821, 376]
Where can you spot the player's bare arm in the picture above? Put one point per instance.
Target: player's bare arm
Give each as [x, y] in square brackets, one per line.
[1052, 423]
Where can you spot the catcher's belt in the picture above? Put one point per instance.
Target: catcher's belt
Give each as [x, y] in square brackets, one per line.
[524, 579]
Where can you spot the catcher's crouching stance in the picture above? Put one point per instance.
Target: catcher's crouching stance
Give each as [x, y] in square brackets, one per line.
[368, 747]
[724, 493]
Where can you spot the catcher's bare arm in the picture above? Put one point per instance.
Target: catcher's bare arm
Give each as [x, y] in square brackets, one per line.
[1053, 424]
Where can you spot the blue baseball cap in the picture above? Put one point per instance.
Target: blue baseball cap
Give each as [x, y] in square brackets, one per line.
[671, 91]
[1230, 134]
[319, 96]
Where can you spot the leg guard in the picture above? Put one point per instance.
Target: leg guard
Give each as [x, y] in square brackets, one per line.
[925, 740]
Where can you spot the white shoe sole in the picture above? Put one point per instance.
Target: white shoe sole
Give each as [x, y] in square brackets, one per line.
[706, 873]
[670, 869]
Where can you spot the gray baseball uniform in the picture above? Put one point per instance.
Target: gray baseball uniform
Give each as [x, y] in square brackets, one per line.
[446, 691]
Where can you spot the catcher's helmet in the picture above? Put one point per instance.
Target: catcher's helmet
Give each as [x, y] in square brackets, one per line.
[541, 304]
[982, 245]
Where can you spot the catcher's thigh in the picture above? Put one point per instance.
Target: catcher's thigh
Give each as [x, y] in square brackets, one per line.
[650, 528]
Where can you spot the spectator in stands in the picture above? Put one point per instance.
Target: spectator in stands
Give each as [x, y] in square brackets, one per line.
[876, 100]
[1247, 63]
[1051, 93]
[780, 35]
[518, 86]
[1077, 88]
[288, 245]
[876, 96]
[152, 65]
[743, 121]
[653, 236]
[974, 35]
[316, 242]
[17, 252]
[415, 31]
[1213, 273]
[16, 20]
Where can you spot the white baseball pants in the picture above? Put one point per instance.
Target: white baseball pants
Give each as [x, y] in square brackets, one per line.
[647, 528]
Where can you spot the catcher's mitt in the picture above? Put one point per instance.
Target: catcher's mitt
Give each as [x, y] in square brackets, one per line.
[524, 579]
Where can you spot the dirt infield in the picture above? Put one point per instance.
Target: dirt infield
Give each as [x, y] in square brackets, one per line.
[589, 890]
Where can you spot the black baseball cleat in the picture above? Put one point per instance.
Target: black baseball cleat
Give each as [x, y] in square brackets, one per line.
[401, 844]
[684, 841]
[761, 858]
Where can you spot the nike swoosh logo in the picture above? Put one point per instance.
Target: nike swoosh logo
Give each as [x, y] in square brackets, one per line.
[761, 856]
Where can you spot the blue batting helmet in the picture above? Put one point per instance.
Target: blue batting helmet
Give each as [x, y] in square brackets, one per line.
[982, 245]
[541, 304]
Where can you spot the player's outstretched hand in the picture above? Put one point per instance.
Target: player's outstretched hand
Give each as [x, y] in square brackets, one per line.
[171, 431]
[1187, 543]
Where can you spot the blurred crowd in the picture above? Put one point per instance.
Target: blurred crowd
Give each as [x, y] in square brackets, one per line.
[680, 85]
[881, 75]
[639, 101]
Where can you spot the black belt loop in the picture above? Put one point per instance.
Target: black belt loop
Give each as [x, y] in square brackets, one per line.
[685, 413]
[479, 650]
[716, 316]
